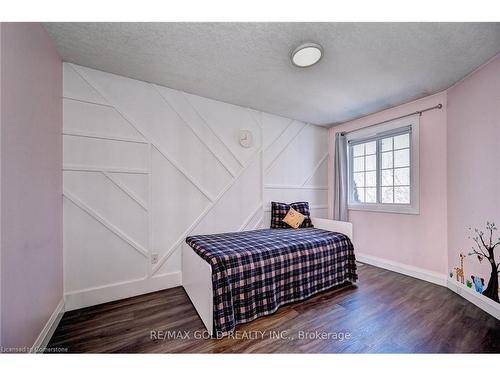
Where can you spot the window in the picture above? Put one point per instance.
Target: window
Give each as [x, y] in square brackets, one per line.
[383, 167]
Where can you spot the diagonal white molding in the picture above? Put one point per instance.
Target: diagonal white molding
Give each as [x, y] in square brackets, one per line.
[195, 133]
[80, 204]
[85, 168]
[126, 190]
[89, 90]
[212, 130]
[279, 135]
[315, 169]
[247, 221]
[187, 175]
[86, 101]
[75, 133]
[258, 225]
[241, 175]
[271, 164]
[213, 200]
[149, 139]
[181, 239]
[211, 205]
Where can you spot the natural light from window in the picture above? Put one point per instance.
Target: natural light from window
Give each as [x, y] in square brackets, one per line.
[381, 167]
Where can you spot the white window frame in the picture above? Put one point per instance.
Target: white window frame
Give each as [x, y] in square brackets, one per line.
[375, 131]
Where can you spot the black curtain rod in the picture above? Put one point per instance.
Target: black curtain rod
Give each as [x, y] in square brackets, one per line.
[439, 106]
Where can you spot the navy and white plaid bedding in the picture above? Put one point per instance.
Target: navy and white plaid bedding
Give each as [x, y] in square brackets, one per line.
[255, 272]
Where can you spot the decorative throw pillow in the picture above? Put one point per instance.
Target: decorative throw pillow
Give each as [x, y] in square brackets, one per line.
[279, 211]
[294, 218]
[303, 208]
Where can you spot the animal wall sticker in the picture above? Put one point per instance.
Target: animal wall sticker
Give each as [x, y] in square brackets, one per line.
[478, 283]
[484, 248]
[460, 271]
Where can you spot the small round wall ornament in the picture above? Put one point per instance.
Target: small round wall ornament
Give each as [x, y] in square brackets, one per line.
[246, 138]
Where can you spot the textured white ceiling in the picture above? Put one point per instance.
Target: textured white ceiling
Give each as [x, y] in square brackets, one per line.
[366, 66]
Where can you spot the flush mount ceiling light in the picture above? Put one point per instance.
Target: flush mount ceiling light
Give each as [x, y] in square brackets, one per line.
[307, 54]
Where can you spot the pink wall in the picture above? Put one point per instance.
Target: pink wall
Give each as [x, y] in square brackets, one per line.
[31, 176]
[416, 240]
[473, 162]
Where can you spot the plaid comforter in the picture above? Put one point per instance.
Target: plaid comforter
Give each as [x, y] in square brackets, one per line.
[255, 272]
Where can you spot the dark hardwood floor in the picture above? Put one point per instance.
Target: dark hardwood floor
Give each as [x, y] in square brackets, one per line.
[385, 312]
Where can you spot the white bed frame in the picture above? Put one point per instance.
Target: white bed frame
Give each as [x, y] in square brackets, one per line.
[197, 273]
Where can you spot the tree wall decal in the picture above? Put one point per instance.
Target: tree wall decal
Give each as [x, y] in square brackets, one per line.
[485, 249]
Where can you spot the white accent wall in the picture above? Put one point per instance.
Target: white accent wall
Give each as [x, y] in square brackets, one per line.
[145, 166]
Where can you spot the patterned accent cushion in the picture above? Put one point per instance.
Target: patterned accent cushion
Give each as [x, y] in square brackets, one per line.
[303, 208]
[294, 218]
[279, 211]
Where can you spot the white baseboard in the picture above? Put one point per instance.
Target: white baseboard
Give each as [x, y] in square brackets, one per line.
[95, 296]
[405, 269]
[484, 303]
[49, 328]
[470, 294]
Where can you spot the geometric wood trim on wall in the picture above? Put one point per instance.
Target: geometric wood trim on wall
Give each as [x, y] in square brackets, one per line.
[295, 167]
[170, 166]
[84, 207]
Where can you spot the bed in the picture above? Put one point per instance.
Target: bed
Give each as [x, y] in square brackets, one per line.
[233, 278]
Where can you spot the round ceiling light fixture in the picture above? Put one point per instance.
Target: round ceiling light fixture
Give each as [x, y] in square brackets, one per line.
[307, 54]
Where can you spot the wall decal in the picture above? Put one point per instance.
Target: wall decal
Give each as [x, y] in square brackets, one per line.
[484, 249]
[478, 283]
[459, 272]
